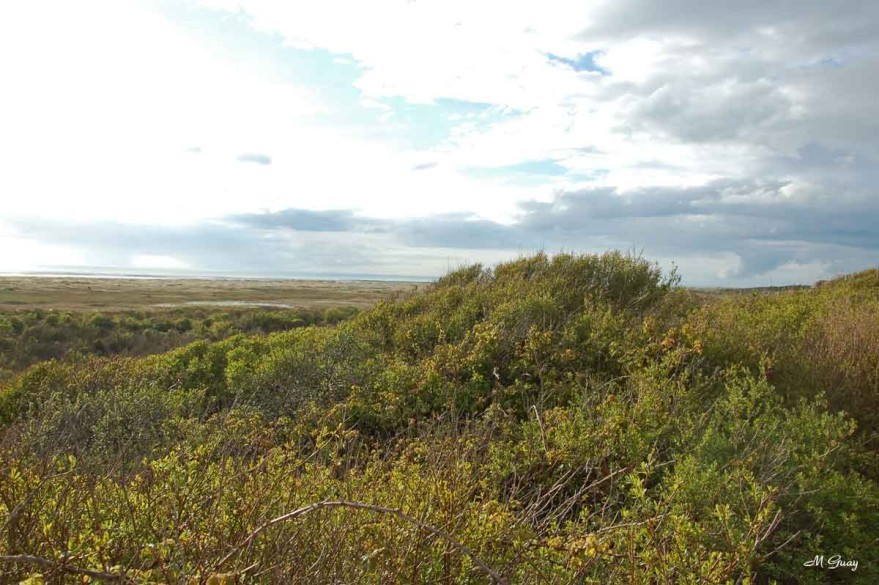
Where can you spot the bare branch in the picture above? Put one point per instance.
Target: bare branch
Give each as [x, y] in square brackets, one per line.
[60, 566]
[495, 576]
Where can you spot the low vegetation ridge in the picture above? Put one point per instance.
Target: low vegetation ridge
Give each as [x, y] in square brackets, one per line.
[564, 419]
[29, 337]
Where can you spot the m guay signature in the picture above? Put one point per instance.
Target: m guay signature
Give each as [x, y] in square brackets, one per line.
[831, 562]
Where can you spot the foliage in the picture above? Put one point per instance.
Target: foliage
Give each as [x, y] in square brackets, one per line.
[568, 419]
[28, 337]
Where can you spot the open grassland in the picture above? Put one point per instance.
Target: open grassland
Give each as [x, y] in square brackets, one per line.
[567, 419]
[115, 294]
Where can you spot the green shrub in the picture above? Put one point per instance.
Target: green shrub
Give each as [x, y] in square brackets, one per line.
[567, 419]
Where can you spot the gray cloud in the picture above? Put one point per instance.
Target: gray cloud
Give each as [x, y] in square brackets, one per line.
[454, 230]
[462, 231]
[301, 220]
[758, 222]
[213, 246]
[257, 158]
[693, 113]
[819, 23]
[759, 227]
[771, 76]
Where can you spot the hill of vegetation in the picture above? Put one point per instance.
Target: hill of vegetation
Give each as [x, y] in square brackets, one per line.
[566, 419]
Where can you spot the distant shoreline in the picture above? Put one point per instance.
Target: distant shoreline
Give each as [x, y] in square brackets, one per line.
[226, 277]
[337, 278]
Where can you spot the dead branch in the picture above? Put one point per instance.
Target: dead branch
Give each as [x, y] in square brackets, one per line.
[49, 564]
[495, 576]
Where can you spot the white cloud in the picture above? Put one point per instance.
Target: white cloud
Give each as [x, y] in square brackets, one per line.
[118, 113]
[158, 261]
[22, 253]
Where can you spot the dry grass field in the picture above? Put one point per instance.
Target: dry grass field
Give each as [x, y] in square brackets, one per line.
[116, 294]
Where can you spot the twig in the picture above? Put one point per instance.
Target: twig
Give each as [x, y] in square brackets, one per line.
[542, 431]
[61, 566]
[783, 544]
[496, 577]
[629, 524]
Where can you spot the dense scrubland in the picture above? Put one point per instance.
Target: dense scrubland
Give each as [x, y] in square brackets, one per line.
[29, 337]
[566, 419]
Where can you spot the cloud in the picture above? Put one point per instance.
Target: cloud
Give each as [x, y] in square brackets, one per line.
[725, 232]
[260, 159]
[453, 230]
[300, 220]
[765, 225]
[461, 231]
[740, 139]
[235, 249]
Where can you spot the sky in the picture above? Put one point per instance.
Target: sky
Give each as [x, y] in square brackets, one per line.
[734, 140]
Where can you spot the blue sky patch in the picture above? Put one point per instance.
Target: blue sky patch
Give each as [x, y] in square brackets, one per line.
[583, 62]
[533, 172]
